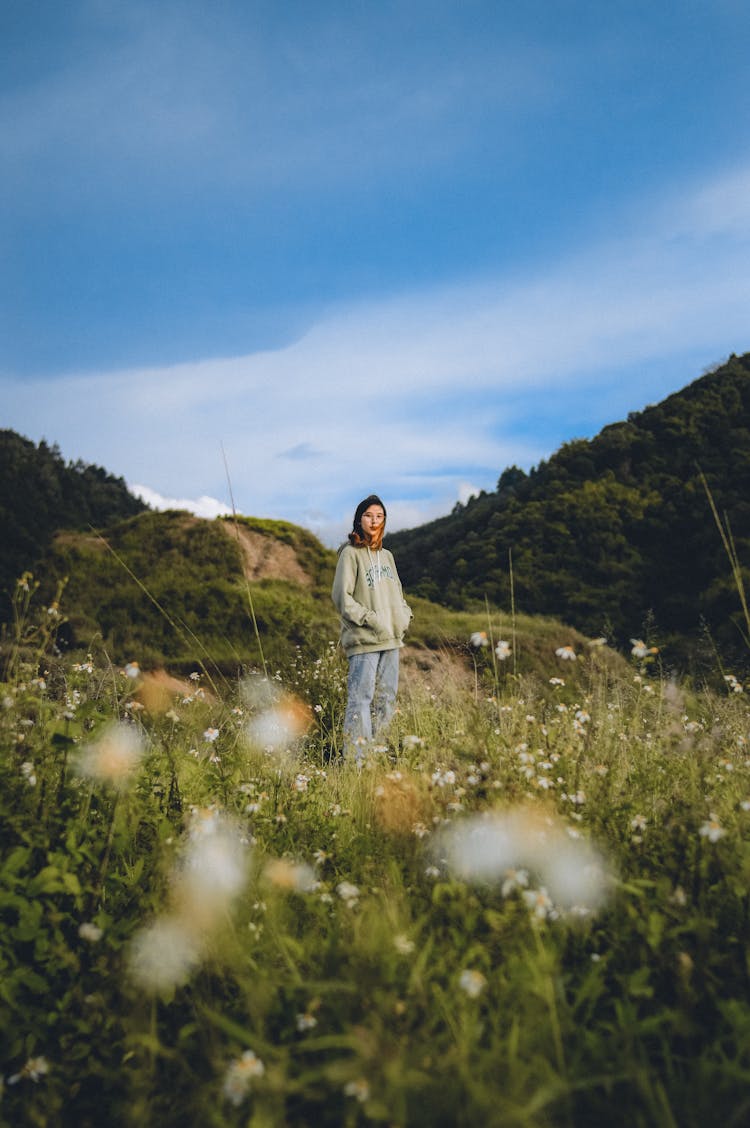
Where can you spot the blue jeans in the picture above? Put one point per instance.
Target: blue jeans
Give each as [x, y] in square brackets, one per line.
[372, 686]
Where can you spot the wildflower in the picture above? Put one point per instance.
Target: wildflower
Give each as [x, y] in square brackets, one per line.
[412, 742]
[300, 782]
[403, 945]
[503, 650]
[432, 872]
[567, 653]
[34, 1068]
[239, 1076]
[306, 1021]
[114, 757]
[211, 735]
[472, 982]
[203, 821]
[514, 879]
[348, 893]
[479, 639]
[132, 671]
[732, 684]
[639, 822]
[745, 804]
[556, 681]
[640, 650]
[29, 773]
[712, 830]
[359, 1089]
[539, 903]
[54, 610]
[90, 932]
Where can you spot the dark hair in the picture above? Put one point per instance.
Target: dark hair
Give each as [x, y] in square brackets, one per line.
[357, 536]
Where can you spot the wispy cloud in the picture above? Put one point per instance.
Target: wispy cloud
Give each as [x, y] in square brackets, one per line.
[328, 96]
[420, 394]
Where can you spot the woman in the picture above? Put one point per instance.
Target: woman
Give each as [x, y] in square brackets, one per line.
[374, 616]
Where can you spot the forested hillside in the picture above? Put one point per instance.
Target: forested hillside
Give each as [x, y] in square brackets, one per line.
[41, 493]
[614, 535]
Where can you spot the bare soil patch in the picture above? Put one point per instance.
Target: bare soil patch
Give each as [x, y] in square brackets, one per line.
[440, 672]
[265, 558]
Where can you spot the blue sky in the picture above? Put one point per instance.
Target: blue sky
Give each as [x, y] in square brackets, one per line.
[343, 247]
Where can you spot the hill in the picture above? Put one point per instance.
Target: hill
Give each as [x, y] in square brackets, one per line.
[41, 493]
[179, 593]
[613, 535]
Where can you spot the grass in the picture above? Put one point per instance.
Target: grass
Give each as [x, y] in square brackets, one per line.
[207, 919]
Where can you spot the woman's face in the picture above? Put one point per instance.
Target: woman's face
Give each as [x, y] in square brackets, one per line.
[373, 520]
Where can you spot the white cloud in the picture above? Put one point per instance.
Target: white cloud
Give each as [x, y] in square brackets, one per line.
[416, 396]
[200, 506]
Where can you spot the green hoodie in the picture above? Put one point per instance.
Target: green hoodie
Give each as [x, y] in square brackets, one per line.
[368, 596]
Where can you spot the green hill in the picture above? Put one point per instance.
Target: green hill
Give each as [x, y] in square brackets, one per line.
[39, 494]
[613, 535]
[174, 591]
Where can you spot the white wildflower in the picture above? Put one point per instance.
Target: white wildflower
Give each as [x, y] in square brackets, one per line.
[472, 982]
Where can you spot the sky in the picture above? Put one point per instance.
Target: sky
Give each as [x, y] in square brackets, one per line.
[278, 254]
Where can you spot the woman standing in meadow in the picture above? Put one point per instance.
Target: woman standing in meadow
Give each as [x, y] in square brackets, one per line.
[374, 616]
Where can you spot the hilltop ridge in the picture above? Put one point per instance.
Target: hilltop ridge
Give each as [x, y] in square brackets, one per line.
[614, 535]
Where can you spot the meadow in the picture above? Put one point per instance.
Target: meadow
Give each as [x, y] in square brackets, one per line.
[527, 907]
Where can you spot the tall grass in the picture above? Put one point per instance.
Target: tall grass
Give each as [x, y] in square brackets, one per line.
[208, 919]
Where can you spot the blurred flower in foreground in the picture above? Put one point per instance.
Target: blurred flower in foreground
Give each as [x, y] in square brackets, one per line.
[486, 847]
[211, 872]
[132, 670]
[479, 638]
[240, 1075]
[503, 650]
[280, 724]
[567, 653]
[114, 757]
[297, 877]
[472, 982]
[164, 954]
